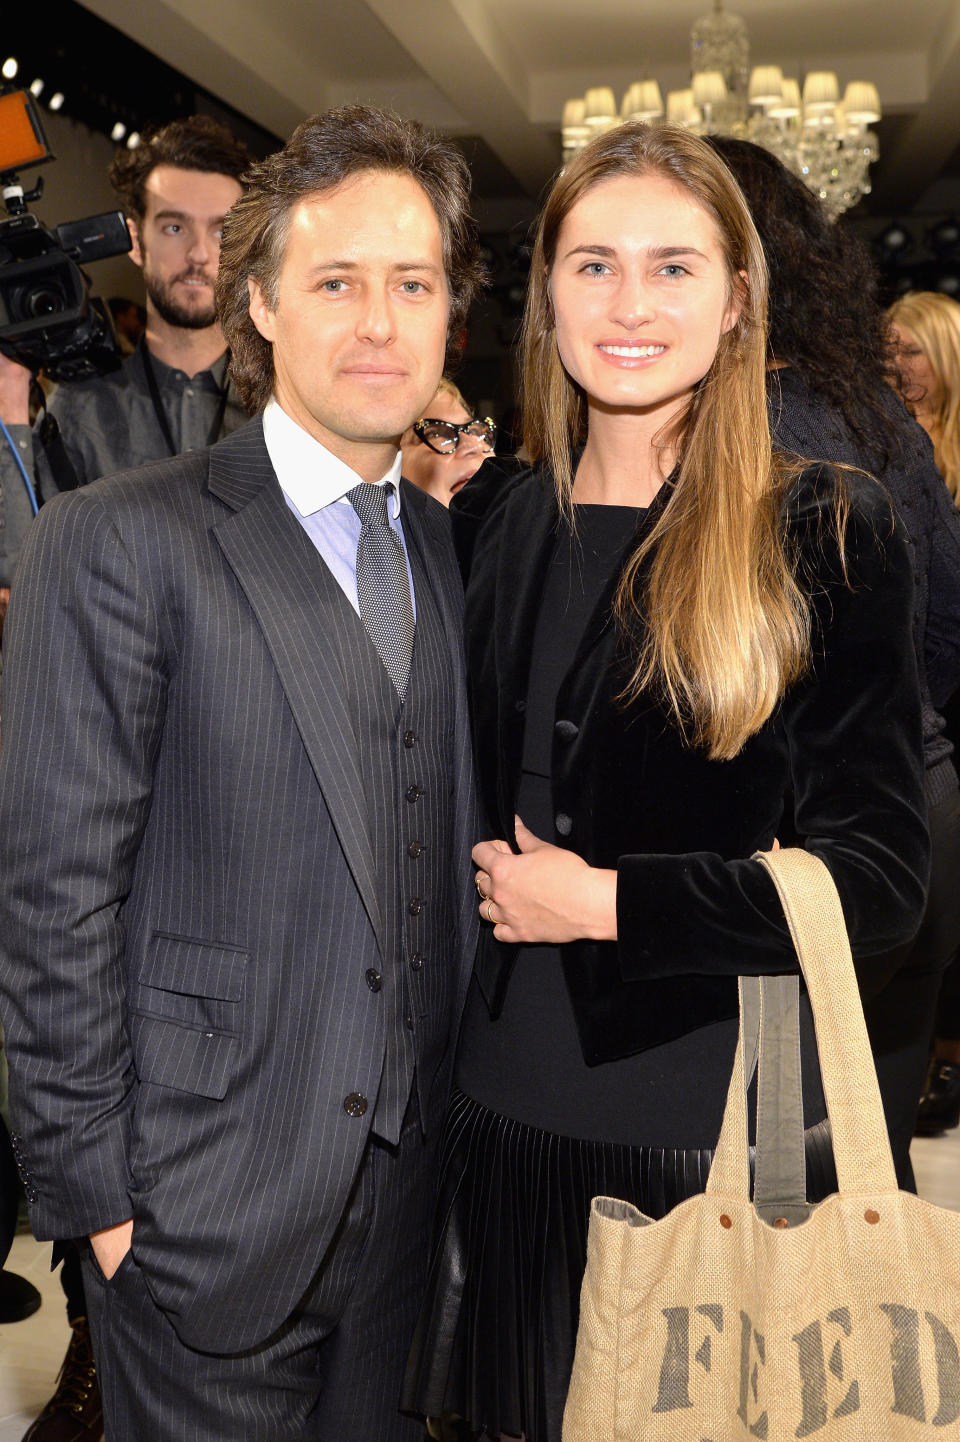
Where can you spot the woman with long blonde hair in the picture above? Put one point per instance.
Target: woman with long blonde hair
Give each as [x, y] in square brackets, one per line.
[668, 627]
[926, 327]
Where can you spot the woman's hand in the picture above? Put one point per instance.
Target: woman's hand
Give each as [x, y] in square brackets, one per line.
[545, 894]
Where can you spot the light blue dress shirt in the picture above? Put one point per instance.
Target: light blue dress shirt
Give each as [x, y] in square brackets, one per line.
[315, 483]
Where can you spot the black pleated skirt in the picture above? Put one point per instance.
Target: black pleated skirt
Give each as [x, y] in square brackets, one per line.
[497, 1331]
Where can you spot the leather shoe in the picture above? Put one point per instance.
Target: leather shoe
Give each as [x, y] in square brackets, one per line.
[74, 1412]
[939, 1109]
[19, 1298]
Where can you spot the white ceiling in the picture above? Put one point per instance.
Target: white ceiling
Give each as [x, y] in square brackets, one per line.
[501, 69]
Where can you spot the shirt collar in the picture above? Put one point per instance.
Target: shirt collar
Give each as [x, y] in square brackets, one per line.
[165, 374]
[310, 476]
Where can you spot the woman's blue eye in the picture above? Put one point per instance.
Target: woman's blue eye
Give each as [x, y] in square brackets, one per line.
[673, 270]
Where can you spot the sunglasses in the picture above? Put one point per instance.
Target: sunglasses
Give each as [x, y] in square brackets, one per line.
[444, 436]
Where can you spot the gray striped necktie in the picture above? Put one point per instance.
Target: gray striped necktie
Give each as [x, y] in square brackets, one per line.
[383, 588]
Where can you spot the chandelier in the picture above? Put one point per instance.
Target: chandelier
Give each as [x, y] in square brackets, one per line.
[822, 138]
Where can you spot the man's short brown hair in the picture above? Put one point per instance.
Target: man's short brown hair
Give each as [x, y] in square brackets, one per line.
[196, 143]
[320, 155]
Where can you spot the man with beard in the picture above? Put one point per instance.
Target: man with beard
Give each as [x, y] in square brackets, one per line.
[172, 395]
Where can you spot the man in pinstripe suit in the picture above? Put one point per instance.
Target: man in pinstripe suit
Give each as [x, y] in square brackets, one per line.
[236, 917]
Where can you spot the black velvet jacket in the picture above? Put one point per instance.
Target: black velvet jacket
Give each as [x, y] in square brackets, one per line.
[693, 910]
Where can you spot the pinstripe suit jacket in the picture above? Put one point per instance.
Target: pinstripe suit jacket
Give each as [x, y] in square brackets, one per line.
[189, 902]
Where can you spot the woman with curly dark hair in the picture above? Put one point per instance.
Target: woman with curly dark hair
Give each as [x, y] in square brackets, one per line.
[830, 361]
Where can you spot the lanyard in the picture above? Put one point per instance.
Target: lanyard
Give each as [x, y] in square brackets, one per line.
[161, 414]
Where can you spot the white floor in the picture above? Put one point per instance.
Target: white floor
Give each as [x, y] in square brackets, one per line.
[31, 1351]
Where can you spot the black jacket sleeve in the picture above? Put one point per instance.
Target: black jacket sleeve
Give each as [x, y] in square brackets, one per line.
[853, 730]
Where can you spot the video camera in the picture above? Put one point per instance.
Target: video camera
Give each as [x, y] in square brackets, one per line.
[48, 319]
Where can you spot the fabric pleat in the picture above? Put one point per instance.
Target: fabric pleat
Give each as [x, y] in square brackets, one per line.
[497, 1331]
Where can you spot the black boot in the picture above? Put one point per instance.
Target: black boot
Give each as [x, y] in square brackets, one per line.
[74, 1412]
[939, 1109]
[19, 1298]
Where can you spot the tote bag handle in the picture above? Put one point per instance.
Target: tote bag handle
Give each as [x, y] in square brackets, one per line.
[860, 1144]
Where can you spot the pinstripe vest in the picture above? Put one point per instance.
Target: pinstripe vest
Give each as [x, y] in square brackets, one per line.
[406, 763]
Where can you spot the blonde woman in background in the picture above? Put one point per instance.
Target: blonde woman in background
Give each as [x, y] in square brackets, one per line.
[926, 328]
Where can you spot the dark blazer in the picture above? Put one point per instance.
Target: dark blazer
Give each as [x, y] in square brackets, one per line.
[693, 910]
[189, 902]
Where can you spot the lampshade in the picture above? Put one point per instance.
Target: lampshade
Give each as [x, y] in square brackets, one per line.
[642, 101]
[766, 84]
[709, 88]
[820, 91]
[680, 106]
[600, 105]
[789, 103]
[861, 102]
[574, 127]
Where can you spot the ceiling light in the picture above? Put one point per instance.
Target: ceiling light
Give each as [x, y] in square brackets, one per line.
[57, 100]
[9, 68]
[118, 131]
[36, 88]
[819, 137]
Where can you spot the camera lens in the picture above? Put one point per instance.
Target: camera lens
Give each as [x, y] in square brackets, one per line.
[40, 301]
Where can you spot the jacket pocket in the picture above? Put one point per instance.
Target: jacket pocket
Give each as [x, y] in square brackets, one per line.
[184, 1014]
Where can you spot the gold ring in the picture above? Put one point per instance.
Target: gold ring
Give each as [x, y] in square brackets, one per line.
[483, 894]
[489, 910]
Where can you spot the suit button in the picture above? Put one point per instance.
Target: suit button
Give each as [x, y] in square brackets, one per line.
[520, 706]
[567, 730]
[415, 906]
[355, 1105]
[416, 961]
[415, 849]
[373, 979]
[564, 823]
[409, 739]
[413, 793]
[409, 1022]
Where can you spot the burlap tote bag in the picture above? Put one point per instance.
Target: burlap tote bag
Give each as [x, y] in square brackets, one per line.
[733, 1319]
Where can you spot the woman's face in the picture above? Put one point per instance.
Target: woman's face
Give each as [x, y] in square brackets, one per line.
[641, 294]
[918, 381]
[442, 476]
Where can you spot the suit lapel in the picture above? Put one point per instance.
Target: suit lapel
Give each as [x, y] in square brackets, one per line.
[298, 606]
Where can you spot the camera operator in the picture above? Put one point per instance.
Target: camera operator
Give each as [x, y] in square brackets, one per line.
[173, 394]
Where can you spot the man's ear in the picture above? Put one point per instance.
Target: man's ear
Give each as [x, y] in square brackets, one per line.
[136, 254]
[260, 312]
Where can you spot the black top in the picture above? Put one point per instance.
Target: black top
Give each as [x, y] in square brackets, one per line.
[528, 1064]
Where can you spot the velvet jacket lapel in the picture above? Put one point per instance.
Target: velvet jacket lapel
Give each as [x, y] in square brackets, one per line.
[528, 534]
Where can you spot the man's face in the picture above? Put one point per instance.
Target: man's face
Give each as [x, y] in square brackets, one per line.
[177, 241]
[360, 323]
